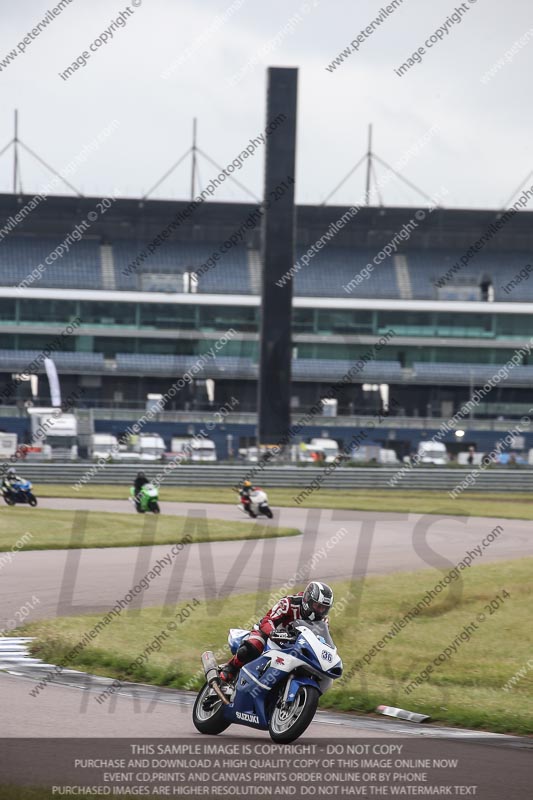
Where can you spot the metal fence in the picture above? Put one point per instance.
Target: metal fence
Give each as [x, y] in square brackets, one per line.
[420, 478]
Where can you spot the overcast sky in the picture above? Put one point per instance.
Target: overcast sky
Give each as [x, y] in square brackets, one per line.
[174, 60]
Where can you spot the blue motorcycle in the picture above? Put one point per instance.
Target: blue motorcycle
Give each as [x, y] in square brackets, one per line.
[279, 691]
[19, 492]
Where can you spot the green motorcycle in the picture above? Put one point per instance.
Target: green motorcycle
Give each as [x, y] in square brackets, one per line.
[147, 499]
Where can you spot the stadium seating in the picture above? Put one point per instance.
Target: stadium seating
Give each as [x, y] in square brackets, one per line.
[468, 374]
[302, 369]
[334, 267]
[178, 365]
[330, 370]
[79, 268]
[229, 274]
[326, 274]
[20, 361]
[426, 269]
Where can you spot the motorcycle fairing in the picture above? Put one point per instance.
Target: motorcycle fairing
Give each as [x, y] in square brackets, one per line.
[252, 694]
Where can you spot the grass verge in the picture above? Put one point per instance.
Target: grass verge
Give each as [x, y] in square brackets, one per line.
[516, 505]
[23, 528]
[466, 689]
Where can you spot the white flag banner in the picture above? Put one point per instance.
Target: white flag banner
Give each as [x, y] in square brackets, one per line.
[53, 380]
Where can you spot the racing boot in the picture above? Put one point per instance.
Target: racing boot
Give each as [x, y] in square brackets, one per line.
[229, 672]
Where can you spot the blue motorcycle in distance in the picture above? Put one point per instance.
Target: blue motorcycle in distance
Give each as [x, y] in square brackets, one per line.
[279, 691]
[20, 492]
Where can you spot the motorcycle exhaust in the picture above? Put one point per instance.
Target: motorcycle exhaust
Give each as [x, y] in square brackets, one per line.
[211, 674]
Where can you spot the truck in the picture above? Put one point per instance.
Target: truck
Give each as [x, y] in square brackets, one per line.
[328, 447]
[103, 445]
[8, 445]
[192, 448]
[150, 447]
[432, 453]
[56, 432]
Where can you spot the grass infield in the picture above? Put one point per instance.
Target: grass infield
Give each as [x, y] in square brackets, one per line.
[466, 688]
[23, 528]
[516, 505]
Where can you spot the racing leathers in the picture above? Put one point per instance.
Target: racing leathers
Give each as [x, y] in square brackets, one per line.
[245, 493]
[286, 610]
[8, 481]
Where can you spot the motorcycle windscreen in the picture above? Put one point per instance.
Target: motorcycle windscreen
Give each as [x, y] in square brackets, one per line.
[319, 627]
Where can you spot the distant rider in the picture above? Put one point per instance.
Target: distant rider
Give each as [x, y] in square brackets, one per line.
[246, 500]
[9, 480]
[313, 604]
[140, 481]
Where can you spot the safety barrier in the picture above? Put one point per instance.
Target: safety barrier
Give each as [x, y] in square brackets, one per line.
[223, 474]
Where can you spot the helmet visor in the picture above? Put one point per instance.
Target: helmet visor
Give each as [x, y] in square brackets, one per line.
[319, 608]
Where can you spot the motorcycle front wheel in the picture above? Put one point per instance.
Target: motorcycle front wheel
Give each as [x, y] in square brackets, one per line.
[154, 507]
[209, 720]
[287, 724]
[32, 500]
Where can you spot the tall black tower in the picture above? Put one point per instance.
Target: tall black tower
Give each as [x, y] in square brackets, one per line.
[274, 388]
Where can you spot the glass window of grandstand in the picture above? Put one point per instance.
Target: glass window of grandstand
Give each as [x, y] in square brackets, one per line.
[40, 342]
[220, 318]
[454, 355]
[166, 347]
[464, 325]
[407, 323]
[167, 315]
[55, 311]
[9, 342]
[514, 325]
[111, 346]
[98, 313]
[303, 320]
[7, 310]
[235, 348]
[336, 321]
[343, 352]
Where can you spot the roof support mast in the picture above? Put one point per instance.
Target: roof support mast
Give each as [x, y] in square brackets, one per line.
[368, 165]
[16, 176]
[193, 150]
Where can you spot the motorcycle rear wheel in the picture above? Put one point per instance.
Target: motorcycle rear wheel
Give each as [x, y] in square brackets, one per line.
[211, 721]
[9, 500]
[286, 725]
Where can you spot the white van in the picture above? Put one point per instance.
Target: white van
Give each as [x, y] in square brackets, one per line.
[150, 447]
[55, 432]
[432, 453]
[387, 456]
[329, 447]
[103, 445]
[204, 450]
[194, 449]
[8, 445]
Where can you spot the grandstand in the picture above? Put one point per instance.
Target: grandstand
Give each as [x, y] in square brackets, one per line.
[148, 312]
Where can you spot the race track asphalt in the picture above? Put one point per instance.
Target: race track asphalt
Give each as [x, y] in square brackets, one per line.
[334, 545]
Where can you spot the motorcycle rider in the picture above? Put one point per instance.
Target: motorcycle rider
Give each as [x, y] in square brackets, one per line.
[314, 603]
[9, 480]
[140, 481]
[246, 500]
